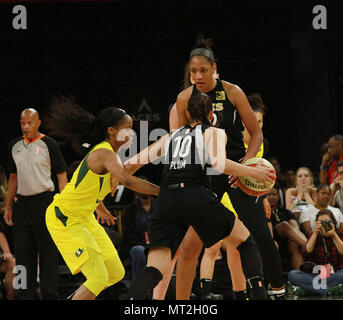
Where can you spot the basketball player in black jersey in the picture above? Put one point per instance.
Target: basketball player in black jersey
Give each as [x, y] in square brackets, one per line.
[186, 200]
[231, 110]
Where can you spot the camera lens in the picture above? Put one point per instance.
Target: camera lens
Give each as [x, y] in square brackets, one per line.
[326, 224]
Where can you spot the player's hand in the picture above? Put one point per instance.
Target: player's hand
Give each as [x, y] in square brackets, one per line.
[233, 181]
[103, 215]
[267, 208]
[7, 256]
[264, 174]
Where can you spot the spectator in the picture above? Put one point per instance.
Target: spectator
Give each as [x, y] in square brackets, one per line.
[289, 175]
[7, 263]
[34, 160]
[286, 230]
[3, 187]
[330, 159]
[280, 179]
[323, 149]
[308, 215]
[337, 187]
[304, 192]
[324, 249]
[135, 223]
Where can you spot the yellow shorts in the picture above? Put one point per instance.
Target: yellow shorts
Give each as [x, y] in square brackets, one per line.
[227, 203]
[73, 238]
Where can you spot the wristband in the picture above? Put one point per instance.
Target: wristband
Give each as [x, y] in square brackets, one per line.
[324, 168]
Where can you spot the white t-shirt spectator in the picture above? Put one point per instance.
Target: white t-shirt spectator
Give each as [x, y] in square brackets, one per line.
[338, 197]
[310, 213]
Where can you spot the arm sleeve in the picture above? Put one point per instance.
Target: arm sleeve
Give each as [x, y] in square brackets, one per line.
[11, 164]
[58, 164]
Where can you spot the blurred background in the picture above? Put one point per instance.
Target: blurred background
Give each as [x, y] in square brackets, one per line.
[132, 54]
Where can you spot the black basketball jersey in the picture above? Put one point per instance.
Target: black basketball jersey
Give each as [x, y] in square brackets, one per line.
[226, 117]
[186, 157]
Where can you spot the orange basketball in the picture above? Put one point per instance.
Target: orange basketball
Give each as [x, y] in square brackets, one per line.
[252, 186]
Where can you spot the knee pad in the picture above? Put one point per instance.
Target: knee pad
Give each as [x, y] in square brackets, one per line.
[257, 289]
[148, 280]
[249, 242]
[255, 282]
[251, 258]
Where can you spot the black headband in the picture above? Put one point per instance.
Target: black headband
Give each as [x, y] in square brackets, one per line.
[202, 52]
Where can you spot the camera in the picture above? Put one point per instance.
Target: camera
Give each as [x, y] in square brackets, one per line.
[327, 225]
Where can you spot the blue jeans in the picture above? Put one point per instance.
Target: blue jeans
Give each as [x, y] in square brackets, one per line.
[311, 282]
[138, 261]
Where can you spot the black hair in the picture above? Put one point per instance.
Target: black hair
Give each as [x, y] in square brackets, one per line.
[277, 186]
[256, 103]
[67, 120]
[329, 213]
[322, 186]
[202, 47]
[338, 138]
[199, 107]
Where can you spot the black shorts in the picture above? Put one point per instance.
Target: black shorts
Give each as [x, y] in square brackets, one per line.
[177, 209]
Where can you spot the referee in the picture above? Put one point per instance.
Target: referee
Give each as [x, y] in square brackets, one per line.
[34, 160]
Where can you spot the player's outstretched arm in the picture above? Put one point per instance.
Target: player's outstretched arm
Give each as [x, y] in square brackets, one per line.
[148, 155]
[112, 163]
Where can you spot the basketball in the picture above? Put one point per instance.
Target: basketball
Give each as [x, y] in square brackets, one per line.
[252, 186]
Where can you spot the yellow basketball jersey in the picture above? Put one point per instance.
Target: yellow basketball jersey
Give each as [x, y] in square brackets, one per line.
[85, 190]
[225, 200]
[260, 151]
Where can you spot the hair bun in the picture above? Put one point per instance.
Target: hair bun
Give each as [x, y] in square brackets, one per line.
[201, 42]
[256, 101]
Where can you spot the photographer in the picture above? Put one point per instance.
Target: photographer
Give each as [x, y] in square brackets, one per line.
[324, 253]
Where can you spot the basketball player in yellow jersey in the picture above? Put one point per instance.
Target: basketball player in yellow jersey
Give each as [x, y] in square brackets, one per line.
[82, 242]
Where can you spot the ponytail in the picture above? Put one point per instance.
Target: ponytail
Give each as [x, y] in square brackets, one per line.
[67, 120]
